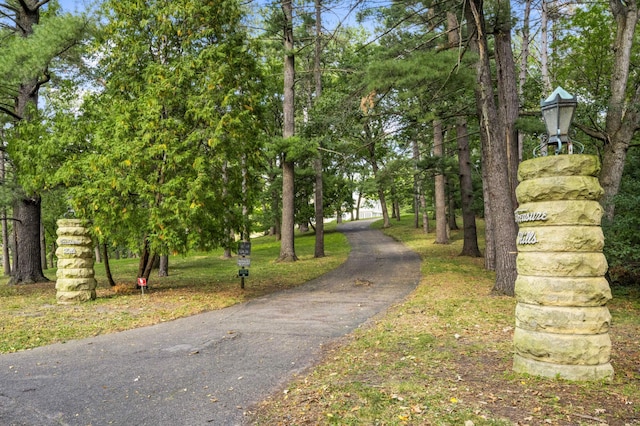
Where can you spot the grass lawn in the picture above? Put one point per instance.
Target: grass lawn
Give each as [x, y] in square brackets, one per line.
[443, 357]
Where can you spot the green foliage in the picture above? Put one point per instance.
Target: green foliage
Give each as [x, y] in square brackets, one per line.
[33, 141]
[622, 240]
[583, 59]
[174, 129]
[24, 58]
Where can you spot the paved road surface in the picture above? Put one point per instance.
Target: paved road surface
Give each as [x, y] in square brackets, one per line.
[210, 368]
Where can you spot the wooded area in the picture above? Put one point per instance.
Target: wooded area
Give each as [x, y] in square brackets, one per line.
[176, 125]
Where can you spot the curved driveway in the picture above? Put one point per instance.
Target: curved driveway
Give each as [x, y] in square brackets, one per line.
[208, 369]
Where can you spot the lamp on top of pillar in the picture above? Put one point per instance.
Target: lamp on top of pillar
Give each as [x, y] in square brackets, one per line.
[557, 112]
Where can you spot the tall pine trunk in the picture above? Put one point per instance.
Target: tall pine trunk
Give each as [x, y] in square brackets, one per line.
[417, 186]
[28, 268]
[442, 230]
[317, 162]
[6, 262]
[470, 242]
[287, 243]
[507, 94]
[497, 185]
[27, 210]
[470, 235]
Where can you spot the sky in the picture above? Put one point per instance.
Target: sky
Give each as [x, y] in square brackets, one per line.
[75, 5]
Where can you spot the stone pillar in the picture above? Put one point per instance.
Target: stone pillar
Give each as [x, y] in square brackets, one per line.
[562, 322]
[76, 282]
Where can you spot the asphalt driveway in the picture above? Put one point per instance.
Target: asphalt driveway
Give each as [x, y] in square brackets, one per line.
[208, 369]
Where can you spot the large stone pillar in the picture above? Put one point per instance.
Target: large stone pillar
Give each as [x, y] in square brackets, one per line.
[76, 282]
[562, 321]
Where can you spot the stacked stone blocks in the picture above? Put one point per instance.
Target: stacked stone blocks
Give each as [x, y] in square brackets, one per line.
[76, 282]
[562, 321]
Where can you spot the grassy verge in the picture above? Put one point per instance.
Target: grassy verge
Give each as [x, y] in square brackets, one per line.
[443, 357]
[30, 317]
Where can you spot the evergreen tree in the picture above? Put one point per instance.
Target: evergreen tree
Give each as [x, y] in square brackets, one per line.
[34, 35]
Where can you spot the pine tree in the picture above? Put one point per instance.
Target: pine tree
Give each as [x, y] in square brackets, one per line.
[33, 36]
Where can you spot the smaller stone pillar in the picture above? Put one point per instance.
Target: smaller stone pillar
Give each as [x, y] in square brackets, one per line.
[76, 282]
[562, 322]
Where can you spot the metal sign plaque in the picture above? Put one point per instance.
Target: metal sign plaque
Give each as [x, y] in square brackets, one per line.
[244, 248]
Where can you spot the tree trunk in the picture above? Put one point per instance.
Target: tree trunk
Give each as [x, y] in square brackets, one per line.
[96, 251]
[470, 236]
[43, 246]
[544, 47]
[246, 232]
[6, 262]
[524, 55]
[417, 187]
[416, 205]
[489, 240]
[395, 209]
[470, 243]
[386, 223]
[107, 267]
[144, 258]
[287, 244]
[163, 269]
[14, 243]
[226, 242]
[623, 114]
[317, 162]
[507, 94]
[153, 259]
[276, 229]
[425, 214]
[28, 268]
[451, 205]
[442, 234]
[497, 182]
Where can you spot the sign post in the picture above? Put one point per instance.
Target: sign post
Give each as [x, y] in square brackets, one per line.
[244, 251]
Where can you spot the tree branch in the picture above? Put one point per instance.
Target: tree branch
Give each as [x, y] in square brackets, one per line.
[41, 3]
[40, 82]
[25, 6]
[593, 132]
[10, 113]
[8, 6]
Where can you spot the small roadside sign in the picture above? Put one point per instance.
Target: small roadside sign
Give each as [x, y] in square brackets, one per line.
[244, 261]
[243, 272]
[244, 248]
[142, 283]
